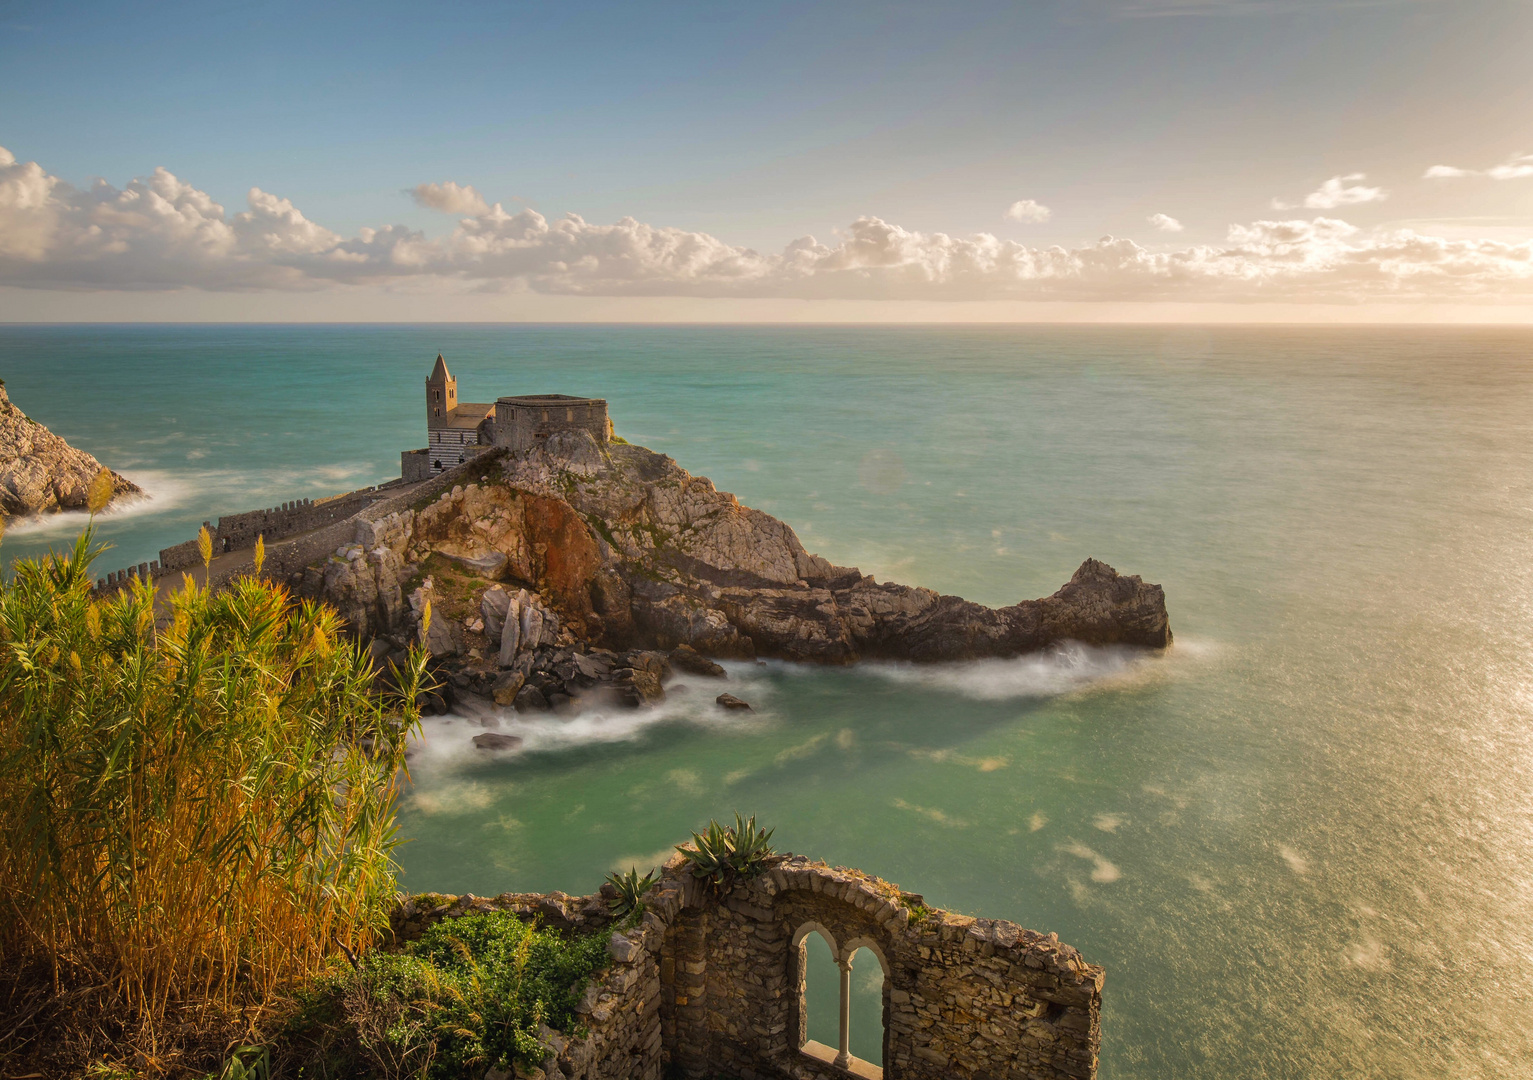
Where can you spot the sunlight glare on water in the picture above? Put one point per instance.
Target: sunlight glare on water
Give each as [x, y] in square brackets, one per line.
[1300, 841]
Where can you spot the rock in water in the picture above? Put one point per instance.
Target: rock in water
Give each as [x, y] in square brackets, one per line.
[491, 740]
[689, 659]
[729, 701]
[41, 473]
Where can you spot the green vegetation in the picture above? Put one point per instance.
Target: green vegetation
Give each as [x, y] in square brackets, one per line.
[473, 993]
[722, 853]
[196, 801]
[630, 890]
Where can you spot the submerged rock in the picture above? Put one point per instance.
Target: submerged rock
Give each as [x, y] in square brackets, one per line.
[729, 701]
[40, 473]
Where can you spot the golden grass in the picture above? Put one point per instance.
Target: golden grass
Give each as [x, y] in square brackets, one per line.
[198, 813]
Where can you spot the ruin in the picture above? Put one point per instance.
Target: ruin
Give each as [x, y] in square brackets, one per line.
[711, 983]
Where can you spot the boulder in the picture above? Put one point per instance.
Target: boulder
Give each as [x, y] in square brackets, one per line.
[729, 701]
[507, 687]
[493, 606]
[530, 699]
[689, 659]
[492, 740]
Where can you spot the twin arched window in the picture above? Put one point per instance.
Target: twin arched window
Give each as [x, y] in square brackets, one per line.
[843, 1001]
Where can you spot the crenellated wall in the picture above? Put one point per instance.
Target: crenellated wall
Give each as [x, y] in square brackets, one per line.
[711, 984]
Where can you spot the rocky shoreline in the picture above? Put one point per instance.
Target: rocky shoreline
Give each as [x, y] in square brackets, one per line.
[40, 473]
[583, 572]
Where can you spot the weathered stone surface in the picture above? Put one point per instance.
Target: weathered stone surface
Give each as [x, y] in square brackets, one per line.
[620, 549]
[712, 982]
[507, 687]
[41, 473]
[689, 659]
[729, 701]
[492, 740]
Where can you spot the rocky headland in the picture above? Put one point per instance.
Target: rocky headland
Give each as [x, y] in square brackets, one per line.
[40, 473]
[583, 568]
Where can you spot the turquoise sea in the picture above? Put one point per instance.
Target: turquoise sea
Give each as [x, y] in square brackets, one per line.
[1300, 842]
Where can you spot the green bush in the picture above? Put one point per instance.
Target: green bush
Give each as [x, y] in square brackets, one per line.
[473, 993]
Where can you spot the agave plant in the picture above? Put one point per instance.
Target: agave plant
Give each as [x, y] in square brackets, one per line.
[722, 852]
[630, 890]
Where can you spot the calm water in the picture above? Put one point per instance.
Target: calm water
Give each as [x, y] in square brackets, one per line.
[1301, 842]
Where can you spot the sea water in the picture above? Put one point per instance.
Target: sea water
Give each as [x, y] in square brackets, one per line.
[1300, 841]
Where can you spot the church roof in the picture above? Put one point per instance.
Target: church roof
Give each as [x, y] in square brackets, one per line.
[467, 415]
[439, 373]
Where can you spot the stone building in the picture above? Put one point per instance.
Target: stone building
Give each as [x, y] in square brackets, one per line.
[457, 431]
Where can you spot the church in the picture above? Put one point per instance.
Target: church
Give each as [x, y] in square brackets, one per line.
[457, 431]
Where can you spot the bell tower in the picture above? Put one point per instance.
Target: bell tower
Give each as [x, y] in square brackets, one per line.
[441, 394]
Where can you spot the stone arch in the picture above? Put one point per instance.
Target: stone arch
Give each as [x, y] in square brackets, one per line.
[871, 944]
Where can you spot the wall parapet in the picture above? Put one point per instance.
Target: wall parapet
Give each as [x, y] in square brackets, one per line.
[711, 983]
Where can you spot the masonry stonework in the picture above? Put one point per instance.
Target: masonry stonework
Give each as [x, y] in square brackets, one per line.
[711, 984]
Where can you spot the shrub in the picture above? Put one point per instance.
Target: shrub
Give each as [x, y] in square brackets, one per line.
[472, 994]
[630, 890]
[196, 802]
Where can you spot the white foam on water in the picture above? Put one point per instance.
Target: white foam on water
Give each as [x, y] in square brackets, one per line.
[447, 741]
[1059, 670]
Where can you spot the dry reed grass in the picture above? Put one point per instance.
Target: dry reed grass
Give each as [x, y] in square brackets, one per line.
[195, 815]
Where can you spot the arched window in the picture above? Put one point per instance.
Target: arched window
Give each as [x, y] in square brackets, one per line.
[843, 1001]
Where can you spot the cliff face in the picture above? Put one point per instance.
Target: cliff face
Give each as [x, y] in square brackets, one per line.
[629, 551]
[41, 473]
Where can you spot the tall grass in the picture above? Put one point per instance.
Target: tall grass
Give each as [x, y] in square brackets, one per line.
[196, 803]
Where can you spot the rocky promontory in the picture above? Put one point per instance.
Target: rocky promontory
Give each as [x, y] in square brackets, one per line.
[600, 560]
[40, 473]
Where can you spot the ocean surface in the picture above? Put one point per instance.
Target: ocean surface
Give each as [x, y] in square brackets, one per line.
[1300, 841]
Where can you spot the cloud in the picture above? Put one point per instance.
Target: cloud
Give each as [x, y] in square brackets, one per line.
[451, 198]
[1516, 167]
[1165, 223]
[1341, 191]
[161, 233]
[1028, 212]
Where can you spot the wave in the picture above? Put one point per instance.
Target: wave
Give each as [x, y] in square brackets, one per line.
[1062, 669]
[447, 741]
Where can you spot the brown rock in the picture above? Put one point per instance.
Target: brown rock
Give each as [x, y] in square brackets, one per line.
[492, 740]
[729, 701]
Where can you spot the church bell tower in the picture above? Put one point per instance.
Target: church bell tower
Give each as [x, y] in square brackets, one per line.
[441, 394]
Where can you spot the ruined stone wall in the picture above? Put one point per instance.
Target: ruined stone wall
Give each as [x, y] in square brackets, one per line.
[621, 1008]
[711, 985]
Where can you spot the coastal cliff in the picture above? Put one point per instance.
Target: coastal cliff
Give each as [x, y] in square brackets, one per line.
[594, 561]
[40, 473]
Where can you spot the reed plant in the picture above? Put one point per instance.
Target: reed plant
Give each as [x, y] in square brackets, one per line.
[197, 794]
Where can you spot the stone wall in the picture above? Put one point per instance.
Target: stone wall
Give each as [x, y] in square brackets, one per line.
[320, 525]
[711, 985]
[521, 423]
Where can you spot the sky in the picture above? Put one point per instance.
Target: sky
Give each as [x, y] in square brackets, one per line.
[1229, 160]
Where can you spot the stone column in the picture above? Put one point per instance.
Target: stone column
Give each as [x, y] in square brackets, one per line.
[844, 1051]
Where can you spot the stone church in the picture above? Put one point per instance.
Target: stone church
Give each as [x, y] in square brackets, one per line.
[457, 431]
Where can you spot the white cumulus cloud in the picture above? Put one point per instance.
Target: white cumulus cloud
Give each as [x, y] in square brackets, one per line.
[1165, 223]
[450, 197]
[1343, 191]
[1028, 211]
[1516, 167]
[162, 233]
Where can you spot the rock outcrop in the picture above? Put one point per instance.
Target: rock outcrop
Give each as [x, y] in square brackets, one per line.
[603, 558]
[40, 473]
